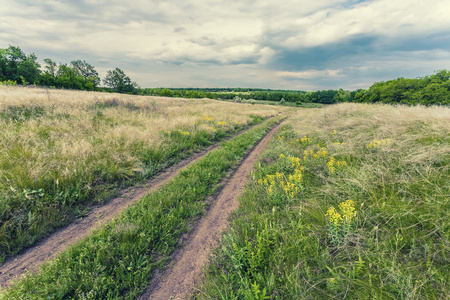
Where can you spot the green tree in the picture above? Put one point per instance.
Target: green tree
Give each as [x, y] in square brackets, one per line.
[342, 96]
[68, 77]
[48, 77]
[119, 81]
[166, 93]
[87, 71]
[17, 66]
[50, 67]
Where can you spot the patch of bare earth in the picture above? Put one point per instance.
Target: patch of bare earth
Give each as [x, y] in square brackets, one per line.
[187, 263]
[47, 249]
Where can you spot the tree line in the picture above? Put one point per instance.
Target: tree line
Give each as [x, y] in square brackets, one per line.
[21, 68]
[323, 96]
[428, 90]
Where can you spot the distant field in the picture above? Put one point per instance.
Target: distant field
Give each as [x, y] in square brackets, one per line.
[61, 150]
[268, 102]
[348, 202]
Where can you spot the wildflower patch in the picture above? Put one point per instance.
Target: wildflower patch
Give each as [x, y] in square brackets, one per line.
[341, 223]
[382, 144]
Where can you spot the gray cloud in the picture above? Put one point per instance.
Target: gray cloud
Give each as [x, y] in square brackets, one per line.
[324, 56]
[265, 43]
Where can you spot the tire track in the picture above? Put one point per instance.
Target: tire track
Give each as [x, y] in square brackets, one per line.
[188, 262]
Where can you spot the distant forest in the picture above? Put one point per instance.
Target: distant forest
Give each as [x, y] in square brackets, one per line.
[428, 90]
[17, 67]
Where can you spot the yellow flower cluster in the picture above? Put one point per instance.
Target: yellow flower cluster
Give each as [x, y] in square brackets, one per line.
[379, 144]
[322, 152]
[348, 211]
[290, 185]
[334, 217]
[305, 139]
[334, 164]
[289, 188]
[183, 132]
[206, 118]
[341, 223]
[347, 215]
[296, 177]
[333, 132]
[295, 162]
[222, 123]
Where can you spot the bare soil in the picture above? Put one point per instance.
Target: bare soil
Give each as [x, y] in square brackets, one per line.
[47, 249]
[187, 263]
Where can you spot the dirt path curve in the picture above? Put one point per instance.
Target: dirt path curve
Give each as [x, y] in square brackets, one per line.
[188, 262]
[35, 256]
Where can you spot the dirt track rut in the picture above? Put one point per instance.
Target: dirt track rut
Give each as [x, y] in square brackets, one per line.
[187, 264]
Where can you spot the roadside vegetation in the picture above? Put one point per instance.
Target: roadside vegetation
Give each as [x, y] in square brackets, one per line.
[64, 150]
[117, 261]
[350, 201]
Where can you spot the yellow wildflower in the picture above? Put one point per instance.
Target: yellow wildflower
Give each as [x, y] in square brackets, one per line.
[348, 211]
[379, 144]
[334, 217]
[305, 139]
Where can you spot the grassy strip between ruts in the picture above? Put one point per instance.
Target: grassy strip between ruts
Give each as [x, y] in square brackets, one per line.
[117, 260]
[352, 207]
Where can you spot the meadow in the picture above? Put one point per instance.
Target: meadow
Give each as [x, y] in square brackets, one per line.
[349, 201]
[62, 151]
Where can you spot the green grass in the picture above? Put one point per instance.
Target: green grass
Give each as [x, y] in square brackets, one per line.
[116, 261]
[282, 245]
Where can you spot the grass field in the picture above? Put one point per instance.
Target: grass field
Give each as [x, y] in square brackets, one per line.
[350, 201]
[63, 150]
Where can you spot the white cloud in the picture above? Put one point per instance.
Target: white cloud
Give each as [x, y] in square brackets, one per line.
[310, 74]
[336, 22]
[223, 33]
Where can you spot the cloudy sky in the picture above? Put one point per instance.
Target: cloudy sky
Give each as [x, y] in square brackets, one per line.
[289, 44]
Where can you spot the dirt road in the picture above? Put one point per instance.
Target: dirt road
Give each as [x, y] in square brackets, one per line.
[187, 264]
